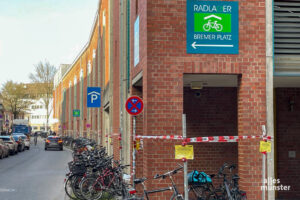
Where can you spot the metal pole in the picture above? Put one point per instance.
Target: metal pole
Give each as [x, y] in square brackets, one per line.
[263, 167]
[185, 166]
[134, 150]
[270, 89]
[121, 79]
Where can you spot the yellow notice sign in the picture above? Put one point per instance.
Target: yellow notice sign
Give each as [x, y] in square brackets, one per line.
[137, 144]
[265, 146]
[186, 151]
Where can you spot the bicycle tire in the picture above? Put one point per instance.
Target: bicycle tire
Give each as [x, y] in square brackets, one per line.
[69, 188]
[76, 188]
[88, 191]
[197, 192]
[116, 187]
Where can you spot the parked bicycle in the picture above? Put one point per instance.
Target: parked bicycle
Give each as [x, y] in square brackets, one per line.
[175, 196]
[93, 173]
[201, 186]
[230, 188]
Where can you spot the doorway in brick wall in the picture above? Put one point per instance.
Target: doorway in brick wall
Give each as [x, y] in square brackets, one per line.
[210, 105]
[287, 139]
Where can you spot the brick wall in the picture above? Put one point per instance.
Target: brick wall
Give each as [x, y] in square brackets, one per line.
[213, 113]
[287, 139]
[164, 27]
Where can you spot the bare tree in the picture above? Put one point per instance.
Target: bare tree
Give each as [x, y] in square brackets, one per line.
[44, 75]
[15, 98]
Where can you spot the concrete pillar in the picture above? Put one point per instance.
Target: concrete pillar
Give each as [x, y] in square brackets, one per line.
[269, 90]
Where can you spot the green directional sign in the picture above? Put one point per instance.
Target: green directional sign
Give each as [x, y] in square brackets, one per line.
[212, 27]
[76, 113]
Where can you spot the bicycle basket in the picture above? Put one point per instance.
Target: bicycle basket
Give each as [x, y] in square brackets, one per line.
[196, 177]
[77, 169]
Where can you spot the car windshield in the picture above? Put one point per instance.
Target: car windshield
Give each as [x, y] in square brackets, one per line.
[53, 138]
[23, 137]
[16, 138]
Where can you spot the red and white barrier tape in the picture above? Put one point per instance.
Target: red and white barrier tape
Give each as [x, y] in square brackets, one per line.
[167, 137]
[204, 139]
[224, 138]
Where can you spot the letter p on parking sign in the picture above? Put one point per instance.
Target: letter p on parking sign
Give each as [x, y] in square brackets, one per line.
[93, 97]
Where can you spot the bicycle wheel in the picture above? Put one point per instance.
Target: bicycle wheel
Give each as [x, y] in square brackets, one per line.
[69, 188]
[197, 192]
[90, 189]
[116, 187]
[75, 186]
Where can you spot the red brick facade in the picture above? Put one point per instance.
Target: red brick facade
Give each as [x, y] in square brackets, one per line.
[164, 62]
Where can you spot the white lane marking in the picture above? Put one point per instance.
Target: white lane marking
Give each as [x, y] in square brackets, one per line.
[7, 190]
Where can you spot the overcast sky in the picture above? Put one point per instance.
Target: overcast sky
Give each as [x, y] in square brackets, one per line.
[38, 30]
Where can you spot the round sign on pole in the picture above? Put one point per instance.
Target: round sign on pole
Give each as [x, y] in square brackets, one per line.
[134, 105]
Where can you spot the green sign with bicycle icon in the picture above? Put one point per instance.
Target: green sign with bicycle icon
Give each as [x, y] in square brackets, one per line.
[212, 27]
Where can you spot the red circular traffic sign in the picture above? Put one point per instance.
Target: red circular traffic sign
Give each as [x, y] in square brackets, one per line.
[134, 105]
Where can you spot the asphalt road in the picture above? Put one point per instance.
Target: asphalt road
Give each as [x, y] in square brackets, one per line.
[34, 174]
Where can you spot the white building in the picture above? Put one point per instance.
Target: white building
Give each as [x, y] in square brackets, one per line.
[37, 115]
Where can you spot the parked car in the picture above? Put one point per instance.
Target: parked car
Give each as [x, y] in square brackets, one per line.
[54, 142]
[13, 146]
[4, 149]
[26, 139]
[20, 142]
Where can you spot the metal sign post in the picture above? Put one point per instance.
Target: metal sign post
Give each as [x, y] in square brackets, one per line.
[263, 166]
[134, 106]
[134, 150]
[185, 167]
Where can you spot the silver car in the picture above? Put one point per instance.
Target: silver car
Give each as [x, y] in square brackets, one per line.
[13, 146]
[26, 140]
[4, 148]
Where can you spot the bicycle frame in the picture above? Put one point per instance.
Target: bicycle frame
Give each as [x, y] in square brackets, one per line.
[228, 191]
[173, 187]
[101, 178]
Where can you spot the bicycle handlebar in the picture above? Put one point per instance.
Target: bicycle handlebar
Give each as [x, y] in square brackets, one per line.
[163, 176]
[224, 166]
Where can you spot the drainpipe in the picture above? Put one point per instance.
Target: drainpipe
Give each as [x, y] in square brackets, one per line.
[128, 45]
[269, 90]
[121, 76]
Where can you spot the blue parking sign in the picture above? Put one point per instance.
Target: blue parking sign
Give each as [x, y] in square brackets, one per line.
[93, 97]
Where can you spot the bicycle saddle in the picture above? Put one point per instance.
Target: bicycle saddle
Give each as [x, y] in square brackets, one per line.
[139, 180]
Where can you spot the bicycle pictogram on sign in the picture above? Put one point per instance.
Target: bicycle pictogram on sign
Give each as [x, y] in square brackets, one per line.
[134, 105]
